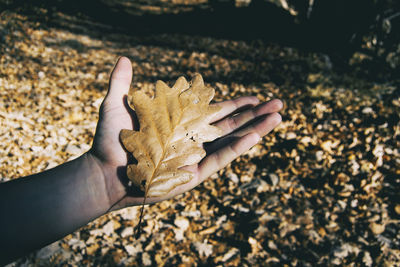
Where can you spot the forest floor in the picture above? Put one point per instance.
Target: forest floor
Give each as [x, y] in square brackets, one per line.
[322, 189]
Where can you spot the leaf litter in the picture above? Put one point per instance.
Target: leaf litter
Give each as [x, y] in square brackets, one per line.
[321, 189]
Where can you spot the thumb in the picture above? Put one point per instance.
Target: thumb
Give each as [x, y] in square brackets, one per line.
[120, 81]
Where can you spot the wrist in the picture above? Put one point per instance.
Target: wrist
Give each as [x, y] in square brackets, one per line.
[97, 182]
[114, 190]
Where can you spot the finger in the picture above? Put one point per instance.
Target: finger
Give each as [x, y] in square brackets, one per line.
[120, 81]
[222, 157]
[232, 123]
[227, 107]
[260, 126]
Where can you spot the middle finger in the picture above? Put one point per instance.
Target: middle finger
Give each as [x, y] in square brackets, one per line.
[230, 124]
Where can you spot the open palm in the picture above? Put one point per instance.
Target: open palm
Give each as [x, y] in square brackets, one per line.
[243, 122]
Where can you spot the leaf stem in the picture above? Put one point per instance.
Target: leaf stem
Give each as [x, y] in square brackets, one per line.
[137, 234]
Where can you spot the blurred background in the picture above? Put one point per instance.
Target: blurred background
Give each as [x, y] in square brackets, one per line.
[322, 189]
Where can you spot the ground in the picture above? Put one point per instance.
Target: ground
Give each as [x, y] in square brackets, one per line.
[320, 189]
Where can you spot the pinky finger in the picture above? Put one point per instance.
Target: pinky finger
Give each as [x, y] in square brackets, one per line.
[223, 156]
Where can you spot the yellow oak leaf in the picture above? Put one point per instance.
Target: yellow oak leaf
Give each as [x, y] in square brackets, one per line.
[173, 127]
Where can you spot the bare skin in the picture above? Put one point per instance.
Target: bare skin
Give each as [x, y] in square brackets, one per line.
[42, 208]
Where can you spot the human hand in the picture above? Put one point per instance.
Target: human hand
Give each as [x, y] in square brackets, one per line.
[244, 121]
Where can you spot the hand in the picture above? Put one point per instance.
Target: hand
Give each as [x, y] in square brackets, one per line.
[243, 121]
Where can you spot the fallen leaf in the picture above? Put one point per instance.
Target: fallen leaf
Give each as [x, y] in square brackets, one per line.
[173, 127]
[377, 228]
[90, 250]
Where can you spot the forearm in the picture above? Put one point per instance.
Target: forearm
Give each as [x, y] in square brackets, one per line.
[42, 208]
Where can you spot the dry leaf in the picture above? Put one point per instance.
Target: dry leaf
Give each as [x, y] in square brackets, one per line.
[377, 228]
[173, 127]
